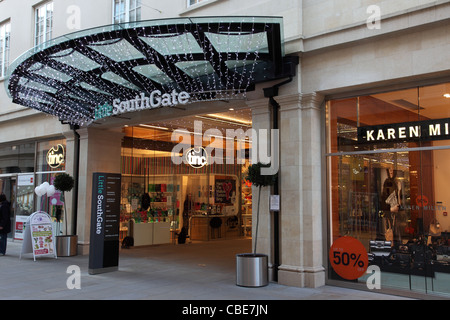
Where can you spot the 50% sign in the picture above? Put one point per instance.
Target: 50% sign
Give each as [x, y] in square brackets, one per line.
[348, 257]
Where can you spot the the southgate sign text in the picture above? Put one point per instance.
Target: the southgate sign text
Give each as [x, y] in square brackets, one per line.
[143, 102]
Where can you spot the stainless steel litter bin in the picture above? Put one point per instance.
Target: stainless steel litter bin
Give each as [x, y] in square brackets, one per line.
[252, 270]
[66, 246]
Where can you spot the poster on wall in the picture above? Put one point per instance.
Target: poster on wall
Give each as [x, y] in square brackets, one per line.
[19, 227]
[105, 223]
[25, 180]
[225, 191]
[38, 237]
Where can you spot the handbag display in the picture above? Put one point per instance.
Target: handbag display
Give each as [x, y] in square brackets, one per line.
[380, 248]
[435, 229]
[392, 200]
[443, 253]
[402, 259]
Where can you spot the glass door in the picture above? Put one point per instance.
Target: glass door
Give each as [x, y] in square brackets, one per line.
[435, 205]
[8, 188]
[434, 183]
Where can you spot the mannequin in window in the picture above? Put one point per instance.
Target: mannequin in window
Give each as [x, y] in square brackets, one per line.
[390, 203]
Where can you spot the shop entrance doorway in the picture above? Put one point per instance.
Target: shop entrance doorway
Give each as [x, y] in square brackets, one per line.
[8, 188]
[183, 180]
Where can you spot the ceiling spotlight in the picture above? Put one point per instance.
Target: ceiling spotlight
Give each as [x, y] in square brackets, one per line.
[447, 95]
[153, 127]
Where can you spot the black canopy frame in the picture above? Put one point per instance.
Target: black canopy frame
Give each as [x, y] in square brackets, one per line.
[216, 58]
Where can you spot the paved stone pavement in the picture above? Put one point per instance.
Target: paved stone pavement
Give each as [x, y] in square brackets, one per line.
[189, 272]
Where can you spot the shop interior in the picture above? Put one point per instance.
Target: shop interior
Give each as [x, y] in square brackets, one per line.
[163, 202]
[407, 236]
[23, 167]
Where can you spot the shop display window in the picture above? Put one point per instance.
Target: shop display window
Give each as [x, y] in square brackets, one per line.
[51, 156]
[17, 158]
[25, 166]
[51, 160]
[17, 171]
[388, 175]
[53, 205]
[201, 203]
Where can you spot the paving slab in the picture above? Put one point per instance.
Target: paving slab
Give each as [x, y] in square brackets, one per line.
[193, 271]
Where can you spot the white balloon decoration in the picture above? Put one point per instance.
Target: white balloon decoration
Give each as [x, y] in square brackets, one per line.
[51, 190]
[45, 189]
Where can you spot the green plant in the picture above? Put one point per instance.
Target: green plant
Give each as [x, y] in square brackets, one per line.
[259, 180]
[64, 183]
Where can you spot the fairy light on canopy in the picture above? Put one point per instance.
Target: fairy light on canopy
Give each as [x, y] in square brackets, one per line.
[211, 58]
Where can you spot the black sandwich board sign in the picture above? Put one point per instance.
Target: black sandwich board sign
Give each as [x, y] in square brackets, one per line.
[105, 223]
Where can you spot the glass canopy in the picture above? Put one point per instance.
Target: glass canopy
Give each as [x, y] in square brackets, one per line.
[209, 58]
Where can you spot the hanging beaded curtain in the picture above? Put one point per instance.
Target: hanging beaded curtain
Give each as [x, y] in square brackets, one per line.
[208, 58]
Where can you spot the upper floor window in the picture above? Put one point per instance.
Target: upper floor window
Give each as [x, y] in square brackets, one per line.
[126, 11]
[43, 23]
[5, 44]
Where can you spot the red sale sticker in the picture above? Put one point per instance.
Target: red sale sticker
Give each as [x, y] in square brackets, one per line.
[348, 257]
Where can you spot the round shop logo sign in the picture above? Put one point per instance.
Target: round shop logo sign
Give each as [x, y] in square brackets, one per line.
[56, 156]
[422, 201]
[197, 157]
